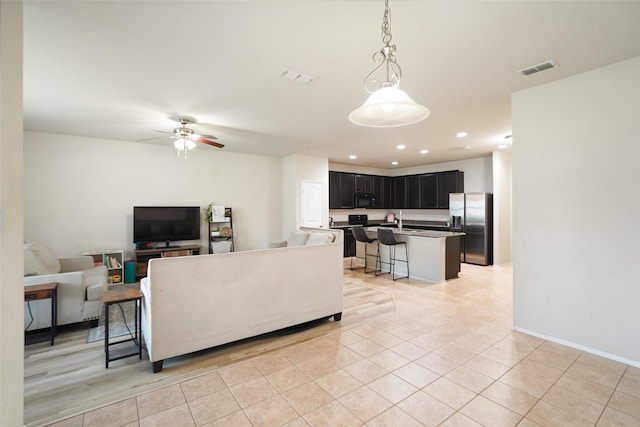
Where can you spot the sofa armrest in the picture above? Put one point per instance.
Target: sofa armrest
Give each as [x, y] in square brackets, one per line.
[75, 264]
[72, 284]
[95, 276]
[280, 244]
[70, 279]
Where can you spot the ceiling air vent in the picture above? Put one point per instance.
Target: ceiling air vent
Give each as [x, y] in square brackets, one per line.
[538, 68]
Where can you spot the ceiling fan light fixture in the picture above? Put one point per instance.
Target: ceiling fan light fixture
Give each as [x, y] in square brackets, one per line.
[387, 105]
[179, 144]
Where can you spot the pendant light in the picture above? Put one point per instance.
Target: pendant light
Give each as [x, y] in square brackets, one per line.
[387, 105]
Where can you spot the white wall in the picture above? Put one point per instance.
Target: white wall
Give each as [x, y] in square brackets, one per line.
[295, 169]
[576, 205]
[502, 208]
[80, 192]
[11, 223]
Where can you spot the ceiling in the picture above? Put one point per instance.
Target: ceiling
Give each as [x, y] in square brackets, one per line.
[119, 69]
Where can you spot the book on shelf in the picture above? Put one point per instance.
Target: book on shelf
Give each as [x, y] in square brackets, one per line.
[112, 262]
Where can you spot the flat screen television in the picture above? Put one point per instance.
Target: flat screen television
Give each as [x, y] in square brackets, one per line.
[154, 224]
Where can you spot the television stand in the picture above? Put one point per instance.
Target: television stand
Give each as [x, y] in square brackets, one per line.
[142, 256]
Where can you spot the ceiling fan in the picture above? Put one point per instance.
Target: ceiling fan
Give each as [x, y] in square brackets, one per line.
[185, 138]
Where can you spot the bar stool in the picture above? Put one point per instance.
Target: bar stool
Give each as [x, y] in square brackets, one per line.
[361, 236]
[387, 238]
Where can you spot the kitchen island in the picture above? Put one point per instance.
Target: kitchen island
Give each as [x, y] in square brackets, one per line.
[434, 256]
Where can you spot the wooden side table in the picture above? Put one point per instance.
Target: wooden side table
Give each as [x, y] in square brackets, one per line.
[45, 291]
[117, 296]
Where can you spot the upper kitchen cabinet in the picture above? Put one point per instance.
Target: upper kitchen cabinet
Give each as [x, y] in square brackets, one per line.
[363, 183]
[387, 192]
[378, 190]
[449, 182]
[347, 188]
[341, 189]
[334, 190]
[429, 191]
[400, 192]
[425, 191]
[412, 192]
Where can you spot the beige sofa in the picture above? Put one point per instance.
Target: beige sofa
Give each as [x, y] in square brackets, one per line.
[198, 302]
[80, 287]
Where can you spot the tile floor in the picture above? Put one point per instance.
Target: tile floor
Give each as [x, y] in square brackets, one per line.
[446, 357]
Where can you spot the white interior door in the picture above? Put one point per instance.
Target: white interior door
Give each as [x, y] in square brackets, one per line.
[311, 212]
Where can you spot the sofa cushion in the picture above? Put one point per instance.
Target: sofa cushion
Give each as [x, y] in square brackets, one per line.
[297, 238]
[32, 265]
[46, 256]
[319, 239]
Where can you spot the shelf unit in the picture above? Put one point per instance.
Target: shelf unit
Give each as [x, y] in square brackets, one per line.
[221, 233]
[142, 256]
[113, 260]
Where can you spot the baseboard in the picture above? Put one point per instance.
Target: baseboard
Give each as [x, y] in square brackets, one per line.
[630, 362]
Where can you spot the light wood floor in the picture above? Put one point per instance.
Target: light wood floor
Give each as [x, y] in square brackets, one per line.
[70, 377]
[405, 353]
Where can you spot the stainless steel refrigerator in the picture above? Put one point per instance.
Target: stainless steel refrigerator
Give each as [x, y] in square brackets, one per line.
[472, 214]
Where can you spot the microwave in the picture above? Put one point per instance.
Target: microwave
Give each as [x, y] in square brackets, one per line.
[364, 200]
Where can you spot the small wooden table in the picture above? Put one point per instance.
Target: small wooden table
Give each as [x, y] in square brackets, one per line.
[117, 296]
[45, 291]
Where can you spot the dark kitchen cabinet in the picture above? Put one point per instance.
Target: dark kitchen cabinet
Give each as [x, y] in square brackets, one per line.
[412, 192]
[363, 183]
[347, 188]
[387, 192]
[349, 248]
[425, 191]
[341, 189]
[449, 182]
[400, 192]
[429, 191]
[378, 191]
[334, 190]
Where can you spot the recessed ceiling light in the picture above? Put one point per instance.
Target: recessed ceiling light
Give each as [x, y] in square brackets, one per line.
[401, 146]
[461, 134]
[466, 147]
[394, 163]
[424, 151]
[503, 146]
[353, 157]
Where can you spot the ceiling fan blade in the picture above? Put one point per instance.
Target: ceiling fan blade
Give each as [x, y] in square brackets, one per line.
[162, 131]
[206, 141]
[208, 136]
[155, 137]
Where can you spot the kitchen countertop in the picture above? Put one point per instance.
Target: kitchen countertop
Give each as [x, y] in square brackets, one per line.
[419, 233]
[443, 225]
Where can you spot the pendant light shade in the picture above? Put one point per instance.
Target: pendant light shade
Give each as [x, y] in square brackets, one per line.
[389, 107]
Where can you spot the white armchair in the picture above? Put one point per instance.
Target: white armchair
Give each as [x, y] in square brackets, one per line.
[80, 287]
